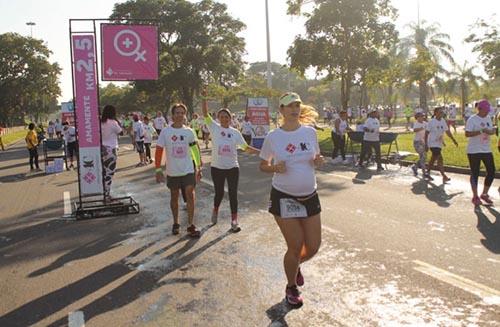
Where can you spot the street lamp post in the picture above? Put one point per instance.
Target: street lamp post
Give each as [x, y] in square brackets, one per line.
[269, 77]
[31, 24]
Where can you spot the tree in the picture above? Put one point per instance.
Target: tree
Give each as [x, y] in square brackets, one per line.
[487, 44]
[429, 46]
[199, 45]
[28, 81]
[341, 38]
[465, 77]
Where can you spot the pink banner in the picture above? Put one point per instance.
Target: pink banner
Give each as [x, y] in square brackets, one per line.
[129, 52]
[87, 115]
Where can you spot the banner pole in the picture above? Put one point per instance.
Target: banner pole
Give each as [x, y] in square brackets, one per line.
[99, 108]
[74, 113]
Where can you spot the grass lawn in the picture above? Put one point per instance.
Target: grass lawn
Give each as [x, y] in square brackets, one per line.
[453, 156]
[13, 137]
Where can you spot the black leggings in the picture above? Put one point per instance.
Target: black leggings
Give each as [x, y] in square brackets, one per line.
[219, 177]
[34, 157]
[338, 144]
[148, 150]
[366, 147]
[475, 166]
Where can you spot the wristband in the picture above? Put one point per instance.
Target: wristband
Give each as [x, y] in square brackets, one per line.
[158, 170]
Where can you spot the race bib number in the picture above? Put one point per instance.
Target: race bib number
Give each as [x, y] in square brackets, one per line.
[225, 150]
[290, 208]
[179, 151]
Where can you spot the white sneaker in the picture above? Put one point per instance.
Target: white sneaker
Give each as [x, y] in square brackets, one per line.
[235, 228]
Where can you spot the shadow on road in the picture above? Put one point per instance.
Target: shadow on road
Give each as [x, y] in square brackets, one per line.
[278, 312]
[490, 231]
[433, 192]
[142, 282]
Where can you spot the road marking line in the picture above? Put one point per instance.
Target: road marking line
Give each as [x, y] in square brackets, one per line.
[76, 319]
[67, 204]
[468, 285]
[212, 184]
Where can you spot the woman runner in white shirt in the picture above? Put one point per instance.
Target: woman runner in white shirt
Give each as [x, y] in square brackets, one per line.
[434, 133]
[478, 130]
[291, 152]
[224, 165]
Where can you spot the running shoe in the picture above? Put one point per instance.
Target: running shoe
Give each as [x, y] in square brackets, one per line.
[214, 218]
[380, 168]
[486, 198]
[476, 201]
[293, 296]
[175, 229]
[428, 176]
[193, 232]
[415, 170]
[235, 228]
[300, 278]
[446, 179]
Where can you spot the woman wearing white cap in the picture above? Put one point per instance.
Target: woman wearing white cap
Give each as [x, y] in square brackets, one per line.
[291, 152]
[479, 128]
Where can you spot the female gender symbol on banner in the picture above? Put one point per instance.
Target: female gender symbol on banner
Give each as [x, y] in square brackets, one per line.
[128, 43]
[129, 52]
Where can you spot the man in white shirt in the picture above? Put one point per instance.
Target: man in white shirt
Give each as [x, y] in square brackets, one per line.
[69, 135]
[247, 130]
[434, 135]
[159, 122]
[138, 131]
[371, 139]
[452, 116]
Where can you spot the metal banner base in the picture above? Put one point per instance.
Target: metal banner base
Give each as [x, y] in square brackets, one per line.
[89, 209]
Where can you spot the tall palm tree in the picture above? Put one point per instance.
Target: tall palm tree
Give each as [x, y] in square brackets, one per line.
[466, 78]
[428, 46]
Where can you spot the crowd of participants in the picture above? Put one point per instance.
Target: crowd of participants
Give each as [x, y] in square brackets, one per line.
[428, 136]
[290, 152]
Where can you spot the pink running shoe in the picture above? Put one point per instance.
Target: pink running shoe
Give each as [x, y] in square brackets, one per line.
[476, 201]
[486, 198]
[293, 296]
[300, 278]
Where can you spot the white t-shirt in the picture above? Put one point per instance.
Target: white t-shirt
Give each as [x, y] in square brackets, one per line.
[50, 129]
[176, 143]
[138, 128]
[419, 136]
[149, 131]
[436, 129]
[468, 112]
[296, 149]
[159, 122]
[246, 128]
[342, 127]
[481, 142]
[69, 134]
[110, 130]
[58, 127]
[225, 142]
[372, 124]
[452, 113]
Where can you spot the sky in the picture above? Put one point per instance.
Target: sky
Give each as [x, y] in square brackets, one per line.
[51, 18]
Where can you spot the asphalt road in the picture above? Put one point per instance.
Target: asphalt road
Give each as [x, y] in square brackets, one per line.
[396, 251]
